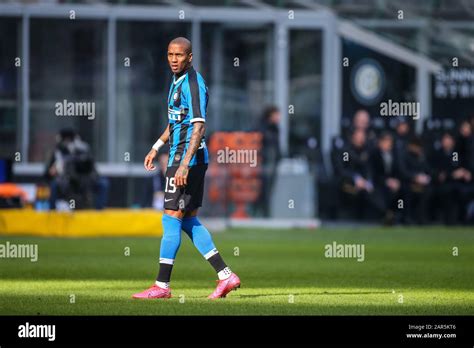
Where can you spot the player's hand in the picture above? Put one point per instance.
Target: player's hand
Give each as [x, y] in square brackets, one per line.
[181, 176]
[149, 160]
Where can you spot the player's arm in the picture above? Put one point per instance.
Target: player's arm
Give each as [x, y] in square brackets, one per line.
[163, 139]
[181, 175]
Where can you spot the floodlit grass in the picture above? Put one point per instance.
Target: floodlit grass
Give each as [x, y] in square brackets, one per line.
[283, 272]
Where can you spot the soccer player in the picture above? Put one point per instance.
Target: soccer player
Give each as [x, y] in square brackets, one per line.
[187, 164]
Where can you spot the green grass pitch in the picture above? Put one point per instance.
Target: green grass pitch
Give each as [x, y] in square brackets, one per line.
[284, 272]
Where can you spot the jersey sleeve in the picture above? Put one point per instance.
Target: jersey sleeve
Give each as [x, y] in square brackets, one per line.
[196, 98]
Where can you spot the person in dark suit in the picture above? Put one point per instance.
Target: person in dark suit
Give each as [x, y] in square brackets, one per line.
[386, 176]
[465, 145]
[465, 150]
[402, 135]
[449, 179]
[416, 174]
[355, 176]
[361, 121]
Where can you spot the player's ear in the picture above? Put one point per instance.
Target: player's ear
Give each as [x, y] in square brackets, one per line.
[190, 59]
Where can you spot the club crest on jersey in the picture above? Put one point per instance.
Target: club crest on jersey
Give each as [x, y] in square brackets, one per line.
[175, 96]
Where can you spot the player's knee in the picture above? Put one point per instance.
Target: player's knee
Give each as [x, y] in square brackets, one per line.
[177, 214]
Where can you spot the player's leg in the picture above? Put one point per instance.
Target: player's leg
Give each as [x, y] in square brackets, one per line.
[199, 234]
[170, 242]
[172, 224]
[202, 240]
[172, 221]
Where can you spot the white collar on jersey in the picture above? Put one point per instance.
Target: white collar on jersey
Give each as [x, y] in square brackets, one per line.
[182, 77]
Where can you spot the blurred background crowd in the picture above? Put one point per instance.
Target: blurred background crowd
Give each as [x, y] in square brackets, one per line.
[399, 176]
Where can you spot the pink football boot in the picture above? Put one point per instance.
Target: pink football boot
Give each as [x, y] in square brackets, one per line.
[225, 286]
[154, 292]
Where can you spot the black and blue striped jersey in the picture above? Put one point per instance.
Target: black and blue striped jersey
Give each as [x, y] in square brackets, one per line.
[187, 103]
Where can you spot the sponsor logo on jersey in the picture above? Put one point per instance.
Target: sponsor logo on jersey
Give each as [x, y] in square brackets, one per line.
[174, 115]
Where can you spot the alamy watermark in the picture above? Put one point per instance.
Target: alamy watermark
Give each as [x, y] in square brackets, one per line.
[37, 331]
[391, 108]
[67, 108]
[22, 251]
[347, 251]
[228, 155]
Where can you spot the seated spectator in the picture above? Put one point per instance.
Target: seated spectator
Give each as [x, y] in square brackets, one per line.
[416, 176]
[361, 121]
[402, 135]
[72, 174]
[449, 179]
[465, 145]
[353, 168]
[386, 178]
[465, 150]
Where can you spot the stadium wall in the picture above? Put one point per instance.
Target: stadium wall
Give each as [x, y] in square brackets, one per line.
[86, 223]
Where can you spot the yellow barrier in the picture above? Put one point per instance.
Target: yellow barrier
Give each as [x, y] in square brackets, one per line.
[81, 223]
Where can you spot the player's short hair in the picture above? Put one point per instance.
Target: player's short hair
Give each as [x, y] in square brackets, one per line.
[181, 40]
